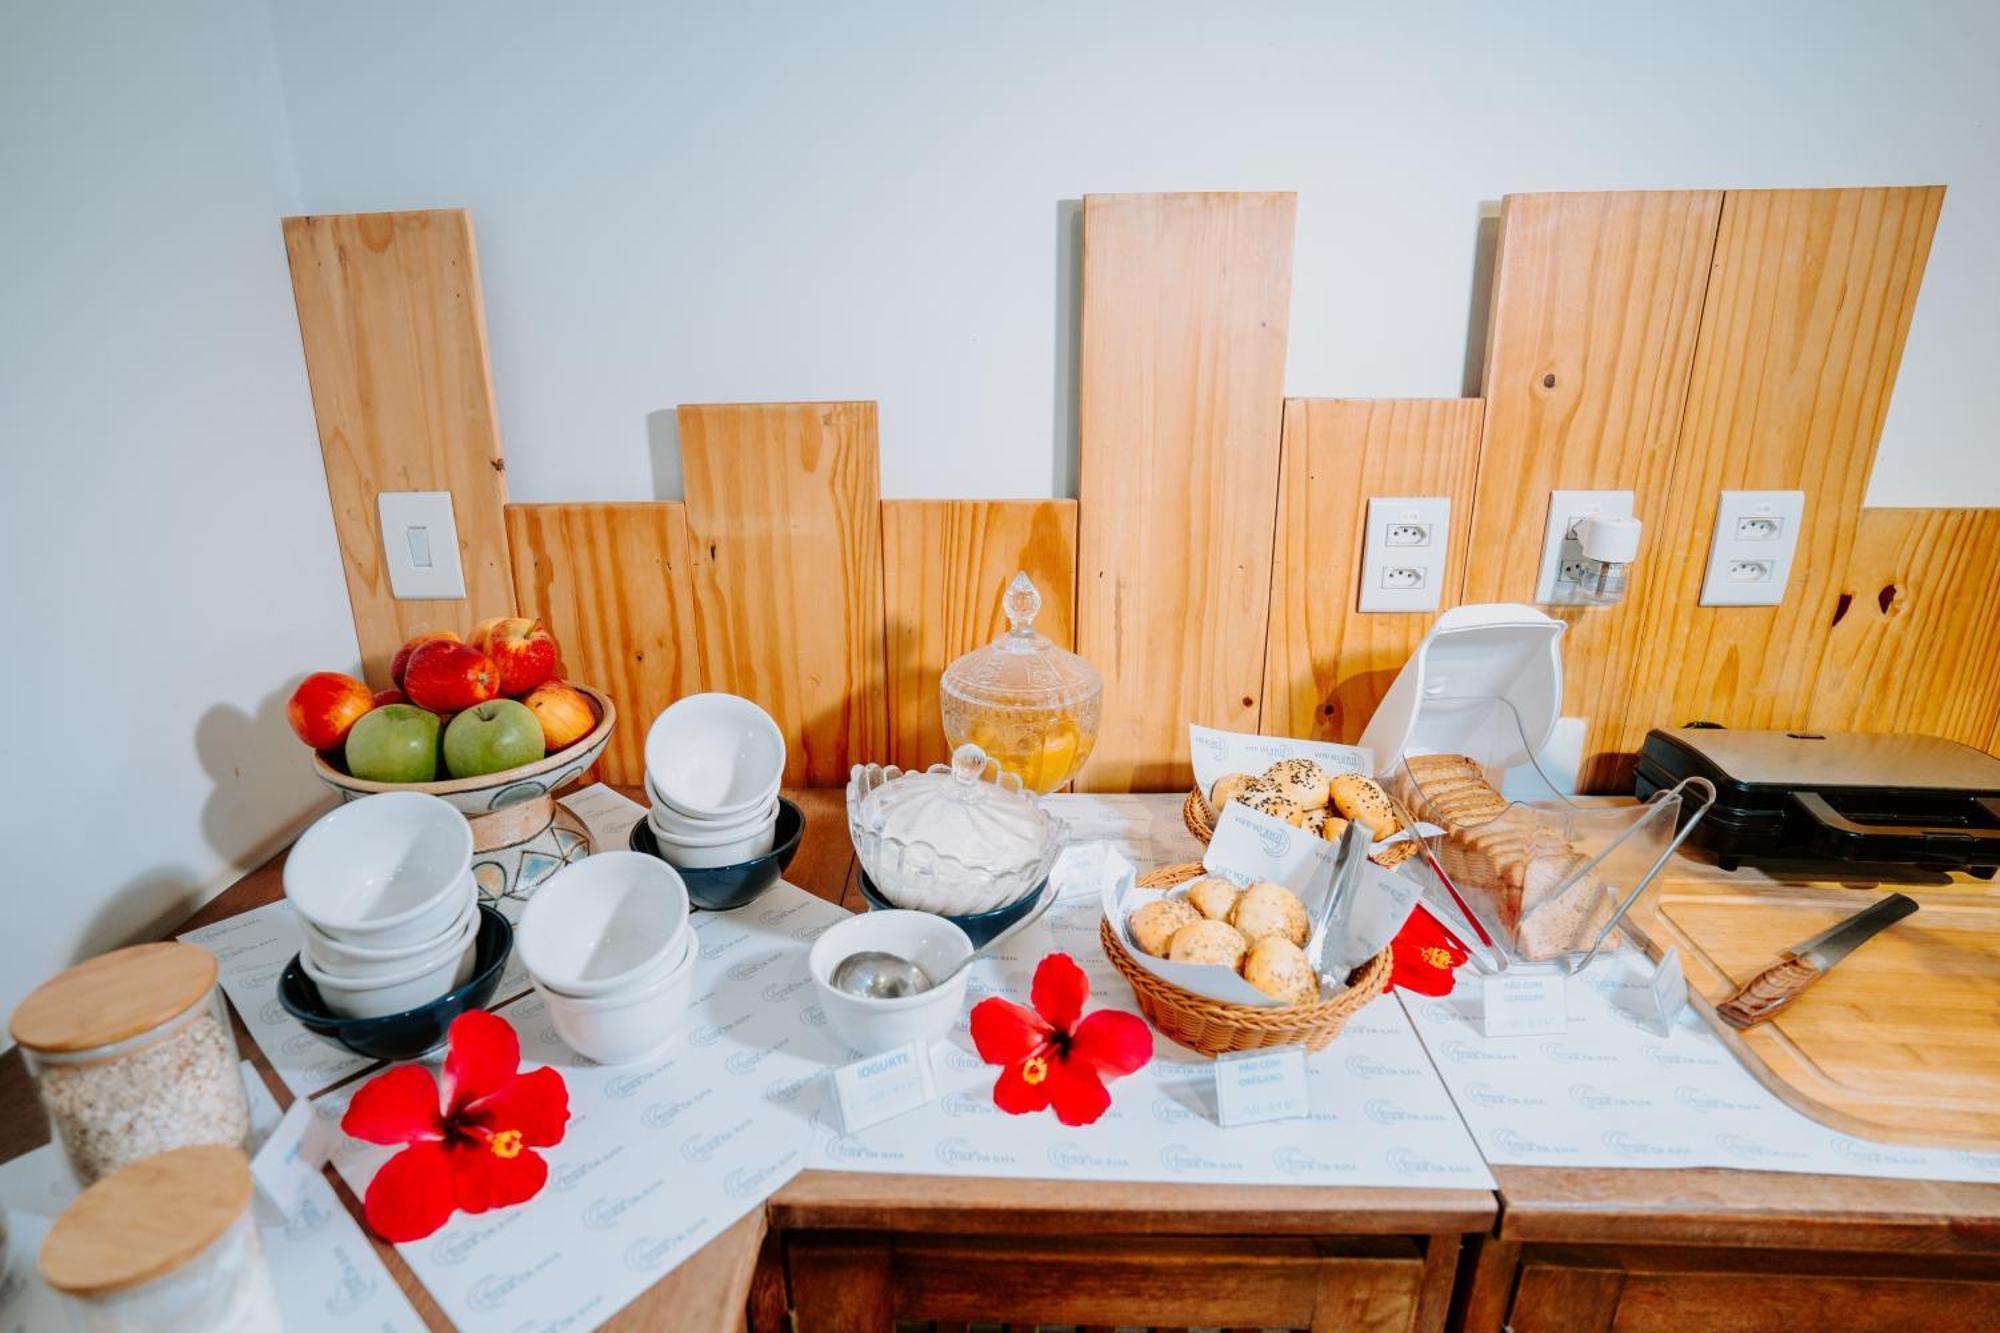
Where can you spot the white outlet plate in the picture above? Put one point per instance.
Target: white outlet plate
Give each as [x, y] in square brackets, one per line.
[420, 543]
[1402, 556]
[1750, 556]
[1559, 543]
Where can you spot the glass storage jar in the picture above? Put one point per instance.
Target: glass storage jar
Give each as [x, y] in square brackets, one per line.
[1029, 704]
[164, 1245]
[133, 1055]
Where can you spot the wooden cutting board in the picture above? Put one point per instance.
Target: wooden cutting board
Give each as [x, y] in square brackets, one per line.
[1900, 1042]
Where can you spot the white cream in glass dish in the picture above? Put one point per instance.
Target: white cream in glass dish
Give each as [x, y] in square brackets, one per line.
[955, 839]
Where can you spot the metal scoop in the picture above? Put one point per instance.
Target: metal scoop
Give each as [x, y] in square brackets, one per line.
[876, 974]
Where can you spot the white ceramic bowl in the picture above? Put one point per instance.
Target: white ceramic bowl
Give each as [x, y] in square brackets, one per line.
[873, 1026]
[602, 923]
[630, 1025]
[398, 991]
[336, 960]
[667, 962]
[705, 855]
[383, 872]
[714, 756]
[673, 822]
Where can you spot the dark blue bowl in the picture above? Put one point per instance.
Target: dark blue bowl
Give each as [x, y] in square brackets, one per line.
[719, 888]
[979, 927]
[414, 1032]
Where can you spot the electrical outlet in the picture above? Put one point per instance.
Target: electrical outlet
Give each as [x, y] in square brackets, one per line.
[1750, 554]
[420, 543]
[1402, 553]
[1563, 568]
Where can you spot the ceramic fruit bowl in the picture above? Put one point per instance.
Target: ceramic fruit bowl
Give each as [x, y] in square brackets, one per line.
[520, 836]
[413, 1032]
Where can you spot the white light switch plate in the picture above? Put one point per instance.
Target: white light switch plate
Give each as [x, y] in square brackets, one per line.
[1402, 556]
[1750, 557]
[1561, 548]
[420, 543]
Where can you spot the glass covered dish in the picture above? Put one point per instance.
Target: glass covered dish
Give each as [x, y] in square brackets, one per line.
[956, 839]
[1028, 703]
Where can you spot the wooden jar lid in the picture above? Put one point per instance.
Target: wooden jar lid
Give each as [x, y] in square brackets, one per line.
[145, 1220]
[113, 996]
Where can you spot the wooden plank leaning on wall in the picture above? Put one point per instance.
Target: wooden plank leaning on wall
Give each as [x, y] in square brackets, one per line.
[945, 565]
[785, 530]
[1186, 306]
[1326, 664]
[394, 328]
[1802, 333]
[611, 581]
[1595, 307]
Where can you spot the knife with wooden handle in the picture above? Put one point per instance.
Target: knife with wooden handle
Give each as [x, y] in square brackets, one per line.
[1806, 962]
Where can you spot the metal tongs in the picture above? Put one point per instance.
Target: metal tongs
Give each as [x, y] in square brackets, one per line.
[1350, 858]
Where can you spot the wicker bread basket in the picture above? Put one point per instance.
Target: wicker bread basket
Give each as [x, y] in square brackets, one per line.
[1212, 1027]
[1194, 813]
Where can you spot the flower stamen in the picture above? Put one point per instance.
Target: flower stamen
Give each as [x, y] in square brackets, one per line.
[1436, 957]
[507, 1143]
[1034, 1070]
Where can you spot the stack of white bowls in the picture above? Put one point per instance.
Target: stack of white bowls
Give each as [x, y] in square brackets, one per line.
[713, 765]
[608, 945]
[384, 891]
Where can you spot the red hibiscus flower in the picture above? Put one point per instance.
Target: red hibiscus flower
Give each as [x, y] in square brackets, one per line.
[1051, 1058]
[469, 1141]
[1425, 954]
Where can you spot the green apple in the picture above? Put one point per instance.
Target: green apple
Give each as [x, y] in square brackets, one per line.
[489, 737]
[399, 744]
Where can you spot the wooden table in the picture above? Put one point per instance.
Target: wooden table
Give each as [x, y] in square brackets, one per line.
[1568, 1249]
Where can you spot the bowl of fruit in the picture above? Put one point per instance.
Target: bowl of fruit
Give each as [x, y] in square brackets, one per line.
[485, 723]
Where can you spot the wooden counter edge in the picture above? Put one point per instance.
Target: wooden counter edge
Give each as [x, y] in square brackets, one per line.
[836, 1200]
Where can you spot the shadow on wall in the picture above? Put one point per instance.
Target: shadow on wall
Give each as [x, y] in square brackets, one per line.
[1479, 304]
[1069, 322]
[663, 442]
[245, 819]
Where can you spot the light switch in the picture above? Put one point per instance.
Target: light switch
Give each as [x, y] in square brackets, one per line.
[420, 544]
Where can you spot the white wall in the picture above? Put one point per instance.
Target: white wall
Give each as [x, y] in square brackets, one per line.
[170, 560]
[682, 203]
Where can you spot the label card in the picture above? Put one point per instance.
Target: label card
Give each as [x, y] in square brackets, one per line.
[1670, 991]
[882, 1087]
[1524, 1004]
[291, 1157]
[1251, 1086]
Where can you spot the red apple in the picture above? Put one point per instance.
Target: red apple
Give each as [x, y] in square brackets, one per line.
[325, 707]
[446, 676]
[384, 697]
[564, 712]
[400, 663]
[521, 648]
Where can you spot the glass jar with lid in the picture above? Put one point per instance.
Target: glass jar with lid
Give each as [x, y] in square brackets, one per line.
[956, 839]
[133, 1055]
[165, 1244]
[1031, 705]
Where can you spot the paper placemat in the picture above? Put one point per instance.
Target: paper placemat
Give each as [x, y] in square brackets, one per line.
[1611, 1091]
[325, 1271]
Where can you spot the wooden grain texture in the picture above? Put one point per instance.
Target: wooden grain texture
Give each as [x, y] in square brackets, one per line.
[1186, 306]
[611, 582]
[1899, 1043]
[1595, 308]
[784, 522]
[1918, 604]
[1326, 664]
[945, 564]
[394, 329]
[1802, 333]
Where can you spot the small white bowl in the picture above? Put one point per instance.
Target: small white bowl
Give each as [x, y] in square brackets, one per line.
[383, 872]
[733, 850]
[629, 1026]
[674, 823]
[872, 1026]
[398, 991]
[714, 756]
[335, 955]
[668, 962]
[602, 923]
